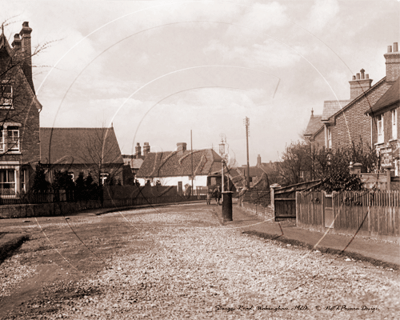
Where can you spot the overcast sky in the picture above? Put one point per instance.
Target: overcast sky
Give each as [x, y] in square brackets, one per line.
[158, 69]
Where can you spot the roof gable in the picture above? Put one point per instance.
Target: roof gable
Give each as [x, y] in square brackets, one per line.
[332, 106]
[389, 98]
[361, 96]
[314, 124]
[79, 146]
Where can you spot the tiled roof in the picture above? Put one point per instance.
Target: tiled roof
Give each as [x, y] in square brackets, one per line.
[254, 171]
[175, 163]
[79, 146]
[332, 106]
[390, 97]
[313, 125]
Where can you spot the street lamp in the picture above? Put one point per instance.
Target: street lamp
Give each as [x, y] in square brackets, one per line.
[222, 153]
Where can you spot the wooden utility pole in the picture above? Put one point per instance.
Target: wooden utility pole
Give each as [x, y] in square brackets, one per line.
[191, 150]
[247, 124]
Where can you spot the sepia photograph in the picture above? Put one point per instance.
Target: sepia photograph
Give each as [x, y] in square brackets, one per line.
[200, 159]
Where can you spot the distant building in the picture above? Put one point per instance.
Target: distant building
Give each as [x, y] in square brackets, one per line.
[256, 173]
[92, 151]
[174, 168]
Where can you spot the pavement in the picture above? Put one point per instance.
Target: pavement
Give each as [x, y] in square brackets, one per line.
[380, 253]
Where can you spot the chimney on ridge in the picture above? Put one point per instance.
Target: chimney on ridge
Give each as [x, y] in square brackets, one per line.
[392, 63]
[146, 148]
[138, 151]
[181, 147]
[258, 160]
[359, 84]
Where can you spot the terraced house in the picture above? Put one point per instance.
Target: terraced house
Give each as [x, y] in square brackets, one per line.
[359, 118]
[19, 114]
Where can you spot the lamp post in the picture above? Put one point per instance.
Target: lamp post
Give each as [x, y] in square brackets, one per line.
[226, 195]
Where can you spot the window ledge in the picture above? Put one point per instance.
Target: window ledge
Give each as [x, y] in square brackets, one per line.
[391, 140]
[378, 143]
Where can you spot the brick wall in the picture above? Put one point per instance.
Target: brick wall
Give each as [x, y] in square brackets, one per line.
[352, 124]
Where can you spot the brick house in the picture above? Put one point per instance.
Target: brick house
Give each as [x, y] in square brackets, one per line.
[19, 115]
[385, 127]
[93, 151]
[345, 121]
[175, 168]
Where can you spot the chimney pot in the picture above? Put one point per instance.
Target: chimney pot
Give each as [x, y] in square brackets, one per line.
[358, 76]
[367, 76]
[395, 47]
[362, 73]
[354, 77]
[389, 49]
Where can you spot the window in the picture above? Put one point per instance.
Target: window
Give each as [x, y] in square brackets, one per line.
[380, 128]
[23, 180]
[1, 140]
[394, 124]
[13, 139]
[329, 138]
[7, 182]
[6, 95]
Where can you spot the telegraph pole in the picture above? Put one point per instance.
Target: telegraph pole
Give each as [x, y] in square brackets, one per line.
[247, 124]
[191, 150]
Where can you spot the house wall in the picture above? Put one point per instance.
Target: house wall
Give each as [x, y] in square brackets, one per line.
[199, 181]
[353, 124]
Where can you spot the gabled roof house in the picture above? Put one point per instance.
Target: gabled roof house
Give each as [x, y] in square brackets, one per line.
[177, 167]
[93, 151]
[19, 115]
[345, 121]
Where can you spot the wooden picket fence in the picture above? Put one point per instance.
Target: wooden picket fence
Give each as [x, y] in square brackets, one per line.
[374, 213]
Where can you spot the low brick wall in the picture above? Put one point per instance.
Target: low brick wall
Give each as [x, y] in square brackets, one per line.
[264, 212]
[46, 209]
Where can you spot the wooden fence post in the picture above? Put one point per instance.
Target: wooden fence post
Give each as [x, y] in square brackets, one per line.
[272, 194]
[297, 207]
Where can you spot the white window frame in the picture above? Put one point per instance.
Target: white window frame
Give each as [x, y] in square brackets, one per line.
[329, 133]
[6, 102]
[11, 145]
[2, 144]
[7, 182]
[394, 124]
[380, 129]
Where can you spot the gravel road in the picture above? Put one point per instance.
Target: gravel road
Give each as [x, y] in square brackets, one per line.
[191, 267]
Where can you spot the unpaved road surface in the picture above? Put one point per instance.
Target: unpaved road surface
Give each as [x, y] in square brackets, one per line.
[180, 263]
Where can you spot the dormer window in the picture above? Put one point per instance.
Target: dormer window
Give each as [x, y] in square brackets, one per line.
[6, 96]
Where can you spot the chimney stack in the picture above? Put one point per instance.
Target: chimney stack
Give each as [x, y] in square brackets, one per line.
[392, 63]
[181, 147]
[138, 151]
[25, 34]
[146, 148]
[359, 84]
[258, 161]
